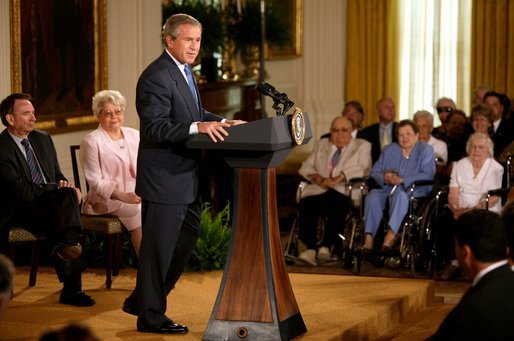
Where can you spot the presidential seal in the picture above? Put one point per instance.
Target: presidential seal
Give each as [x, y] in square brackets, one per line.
[298, 126]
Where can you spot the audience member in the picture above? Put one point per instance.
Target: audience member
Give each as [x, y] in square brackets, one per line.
[486, 311]
[425, 123]
[479, 93]
[355, 113]
[109, 157]
[333, 161]
[399, 165]
[456, 136]
[482, 119]
[37, 196]
[444, 107]
[503, 128]
[6, 283]
[381, 134]
[472, 177]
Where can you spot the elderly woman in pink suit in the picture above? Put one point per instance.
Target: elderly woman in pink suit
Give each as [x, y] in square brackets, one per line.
[108, 156]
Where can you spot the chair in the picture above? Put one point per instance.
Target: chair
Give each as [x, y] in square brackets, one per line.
[349, 232]
[408, 243]
[21, 235]
[109, 225]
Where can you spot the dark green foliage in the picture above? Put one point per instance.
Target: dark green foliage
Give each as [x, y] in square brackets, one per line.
[211, 249]
[245, 31]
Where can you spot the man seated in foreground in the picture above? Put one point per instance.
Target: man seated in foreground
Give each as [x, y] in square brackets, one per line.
[486, 311]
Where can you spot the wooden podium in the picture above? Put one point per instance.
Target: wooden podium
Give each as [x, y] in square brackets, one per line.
[255, 300]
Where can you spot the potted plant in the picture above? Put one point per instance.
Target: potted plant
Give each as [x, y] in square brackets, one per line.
[213, 29]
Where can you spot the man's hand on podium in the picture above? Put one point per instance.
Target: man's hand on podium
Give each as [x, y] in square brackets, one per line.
[215, 130]
[235, 122]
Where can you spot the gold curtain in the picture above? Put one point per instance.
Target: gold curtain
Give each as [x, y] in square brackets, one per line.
[492, 59]
[372, 53]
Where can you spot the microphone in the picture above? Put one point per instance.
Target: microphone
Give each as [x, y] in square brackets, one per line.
[278, 98]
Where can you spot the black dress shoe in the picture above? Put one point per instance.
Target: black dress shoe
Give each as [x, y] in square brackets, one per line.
[168, 327]
[130, 308]
[77, 298]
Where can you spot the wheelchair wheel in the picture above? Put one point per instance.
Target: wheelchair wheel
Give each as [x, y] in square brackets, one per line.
[428, 234]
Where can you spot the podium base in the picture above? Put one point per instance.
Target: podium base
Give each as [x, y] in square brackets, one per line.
[244, 330]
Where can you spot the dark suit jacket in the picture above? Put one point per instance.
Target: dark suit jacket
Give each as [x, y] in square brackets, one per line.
[16, 183]
[167, 171]
[485, 312]
[372, 135]
[503, 136]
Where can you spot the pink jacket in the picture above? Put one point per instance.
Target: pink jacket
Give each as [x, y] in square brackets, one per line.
[105, 168]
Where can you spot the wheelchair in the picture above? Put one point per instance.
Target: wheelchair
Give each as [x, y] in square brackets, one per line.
[415, 244]
[349, 234]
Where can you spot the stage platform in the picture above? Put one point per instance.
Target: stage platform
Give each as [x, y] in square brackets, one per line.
[332, 306]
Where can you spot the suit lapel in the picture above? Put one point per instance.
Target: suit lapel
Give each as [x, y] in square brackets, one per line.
[183, 88]
[19, 155]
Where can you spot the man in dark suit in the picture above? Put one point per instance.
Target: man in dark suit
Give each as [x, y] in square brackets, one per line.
[486, 311]
[37, 196]
[170, 110]
[503, 135]
[382, 133]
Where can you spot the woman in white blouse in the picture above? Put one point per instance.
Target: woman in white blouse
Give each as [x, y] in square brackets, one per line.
[472, 177]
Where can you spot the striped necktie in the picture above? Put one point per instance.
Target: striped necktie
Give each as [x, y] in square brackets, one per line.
[35, 171]
[334, 160]
[191, 84]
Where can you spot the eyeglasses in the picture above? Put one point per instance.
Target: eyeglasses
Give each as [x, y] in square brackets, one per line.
[116, 112]
[444, 109]
[340, 130]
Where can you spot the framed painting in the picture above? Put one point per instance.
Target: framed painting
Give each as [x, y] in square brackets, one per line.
[59, 57]
[292, 11]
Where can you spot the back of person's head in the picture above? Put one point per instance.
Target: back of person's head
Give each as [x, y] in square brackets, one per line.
[508, 220]
[6, 276]
[7, 105]
[6, 283]
[71, 332]
[483, 231]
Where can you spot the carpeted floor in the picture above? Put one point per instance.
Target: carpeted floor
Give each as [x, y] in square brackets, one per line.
[332, 306]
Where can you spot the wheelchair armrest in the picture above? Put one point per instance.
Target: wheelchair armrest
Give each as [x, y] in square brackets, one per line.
[358, 180]
[419, 183]
[300, 188]
[498, 191]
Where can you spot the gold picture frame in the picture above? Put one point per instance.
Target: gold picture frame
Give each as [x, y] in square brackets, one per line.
[59, 57]
[293, 12]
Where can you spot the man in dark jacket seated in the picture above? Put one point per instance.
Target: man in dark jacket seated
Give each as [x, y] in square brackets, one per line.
[36, 195]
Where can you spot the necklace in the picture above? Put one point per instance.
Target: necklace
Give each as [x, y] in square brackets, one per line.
[120, 143]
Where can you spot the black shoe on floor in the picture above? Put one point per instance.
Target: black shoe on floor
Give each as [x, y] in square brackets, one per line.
[77, 298]
[130, 308]
[168, 327]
